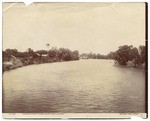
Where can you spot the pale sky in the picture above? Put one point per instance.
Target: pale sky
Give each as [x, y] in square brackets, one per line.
[87, 27]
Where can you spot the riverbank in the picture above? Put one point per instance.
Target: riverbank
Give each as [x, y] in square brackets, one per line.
[13, 64]
[131, 65]
[17, 63]
[12, 58]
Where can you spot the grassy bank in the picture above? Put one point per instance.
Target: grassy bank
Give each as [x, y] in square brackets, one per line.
[12, 58]
[13, 64]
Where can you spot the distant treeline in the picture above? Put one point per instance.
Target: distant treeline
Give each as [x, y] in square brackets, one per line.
[126, 54]
[93, 56]
[16, 58]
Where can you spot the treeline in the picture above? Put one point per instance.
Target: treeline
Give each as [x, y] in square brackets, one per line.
[35, 57]
[93, 56]
[125, 54]
[129, 54]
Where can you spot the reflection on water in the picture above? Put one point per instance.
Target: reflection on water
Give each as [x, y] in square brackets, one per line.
[85, 86]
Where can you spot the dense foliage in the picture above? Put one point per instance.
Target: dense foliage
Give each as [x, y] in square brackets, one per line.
[93, 56]
[12, 58]
[127, 53]
[41, 56]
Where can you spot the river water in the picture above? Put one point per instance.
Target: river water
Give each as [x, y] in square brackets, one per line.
[84, 86]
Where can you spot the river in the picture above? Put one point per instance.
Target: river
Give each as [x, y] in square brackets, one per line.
[84, 86]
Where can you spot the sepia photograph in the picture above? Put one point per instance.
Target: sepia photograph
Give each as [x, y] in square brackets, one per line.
[74, 60]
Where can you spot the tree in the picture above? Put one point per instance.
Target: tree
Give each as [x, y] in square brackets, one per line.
[11, 51]
[122, 54]
[30, 52]
[133, 54]
[75, 55]
[142, 51]
[98, 56]
[129, 53]
[134, 57]
[110, 55]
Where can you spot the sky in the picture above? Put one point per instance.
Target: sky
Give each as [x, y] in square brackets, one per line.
[86, 27]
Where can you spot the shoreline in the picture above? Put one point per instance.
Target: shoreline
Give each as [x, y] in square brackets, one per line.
[12, 67]
[128, 66]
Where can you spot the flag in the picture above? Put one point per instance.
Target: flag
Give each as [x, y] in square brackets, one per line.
[47, 44]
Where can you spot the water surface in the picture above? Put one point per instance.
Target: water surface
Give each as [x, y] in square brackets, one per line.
[84, 86]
